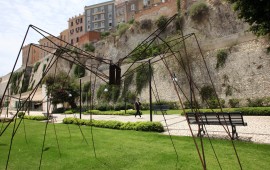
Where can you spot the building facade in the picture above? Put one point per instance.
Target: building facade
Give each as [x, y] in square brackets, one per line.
[125, 11]
[76, 28]
[34, 55]
[91, 36]
[100, 17]
[49, 45]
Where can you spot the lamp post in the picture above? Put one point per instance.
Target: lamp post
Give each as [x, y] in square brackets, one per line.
[150, 90]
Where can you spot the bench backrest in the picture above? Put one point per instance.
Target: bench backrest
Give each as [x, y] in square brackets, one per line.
[215, 118]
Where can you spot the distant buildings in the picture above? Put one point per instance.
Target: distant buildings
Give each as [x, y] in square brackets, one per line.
[100, 17]
[76, 28]
[96, 18]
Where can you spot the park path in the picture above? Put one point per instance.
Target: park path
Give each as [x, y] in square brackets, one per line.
[257, 129]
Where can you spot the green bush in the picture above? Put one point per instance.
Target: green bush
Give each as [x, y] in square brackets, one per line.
[36, 66]
[234, 102]
[131, 21]
[213, 103]
[255, 102]
[94, 112]
[122, 28]
[139, 126]
[207, 92]
[198, 10]
[161, 22]
[21, 114]
[104, 34]
[79, 71]
[68, 112]
[221, 58]
[146, 24]
[194, 104]
[35, 117]
[59, 110]
[89, 47]
[44, 67]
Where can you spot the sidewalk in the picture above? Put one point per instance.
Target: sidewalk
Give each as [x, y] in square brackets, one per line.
[257, 129]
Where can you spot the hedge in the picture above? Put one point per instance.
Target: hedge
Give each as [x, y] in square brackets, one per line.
[248, 111]
[35, 117]
[121, 112]
[112, 124]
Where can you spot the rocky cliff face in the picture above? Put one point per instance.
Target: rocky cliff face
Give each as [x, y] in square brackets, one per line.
[245, 70]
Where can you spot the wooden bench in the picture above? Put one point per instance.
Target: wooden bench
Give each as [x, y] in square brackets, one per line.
[160, 108]
[232, 119]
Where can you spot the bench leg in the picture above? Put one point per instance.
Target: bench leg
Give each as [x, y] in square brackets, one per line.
[234, 133]
[200, 131]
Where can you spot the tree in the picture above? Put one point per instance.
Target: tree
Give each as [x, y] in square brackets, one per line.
[256, 13]
[89, 47]
[61, 88]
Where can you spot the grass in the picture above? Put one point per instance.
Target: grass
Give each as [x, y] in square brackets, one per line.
[116, 149]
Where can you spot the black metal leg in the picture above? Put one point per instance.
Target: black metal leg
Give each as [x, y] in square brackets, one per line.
[234, 133]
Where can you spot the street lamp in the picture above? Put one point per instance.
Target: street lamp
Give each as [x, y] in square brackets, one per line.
[106, 90]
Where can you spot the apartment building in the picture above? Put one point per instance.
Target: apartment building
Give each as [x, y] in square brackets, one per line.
[49, 45]
[125, 11]
[100, 17]
[64, 35]
[34, 55]
[76, 27]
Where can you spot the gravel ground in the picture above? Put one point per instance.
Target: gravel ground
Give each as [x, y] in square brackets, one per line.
[257, 129]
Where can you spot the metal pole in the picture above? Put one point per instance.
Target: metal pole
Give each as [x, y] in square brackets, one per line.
[80, 98]
[150, 90]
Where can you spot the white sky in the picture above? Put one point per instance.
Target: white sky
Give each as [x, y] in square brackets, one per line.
[17, 15]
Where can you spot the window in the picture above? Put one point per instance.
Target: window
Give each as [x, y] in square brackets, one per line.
[110, 15]
[110, 8]
[81, 20]
[95, 10]
[102, 16]
[81, 29]
[71, 41]
[110, 24]
[96, 17]
[96, 25]
[102, 24]
[71, 23]
[77, 39]
[102, 9]
[132, 7]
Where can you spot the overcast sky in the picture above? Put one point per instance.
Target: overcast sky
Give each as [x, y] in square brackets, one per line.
[17, 15]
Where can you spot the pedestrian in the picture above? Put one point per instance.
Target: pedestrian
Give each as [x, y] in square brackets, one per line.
[137, 106]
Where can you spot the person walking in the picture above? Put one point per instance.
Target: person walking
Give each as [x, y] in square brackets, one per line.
[137, 106]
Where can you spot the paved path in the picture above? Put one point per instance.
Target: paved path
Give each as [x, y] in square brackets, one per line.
[257, 130]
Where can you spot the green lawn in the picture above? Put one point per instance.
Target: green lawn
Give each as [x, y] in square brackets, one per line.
[121, 150]
[169, 112]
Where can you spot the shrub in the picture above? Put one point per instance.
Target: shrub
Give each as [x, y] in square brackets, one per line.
[44, 67]
[68, 112]
[146, 24]
[221, 58]
[104, 34]
[59, 110]
[161, 22]
[21, 114]
[123, 106]
[198, 10]
[89, 47]
[35, 117]
[94, 112]
[36, 66]
[122, 28]
[207, 92]
[194, 104]
[255, 102]
[131, 21]
[234, 102]
[79, 71]
[213, 103]
[139, 126]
